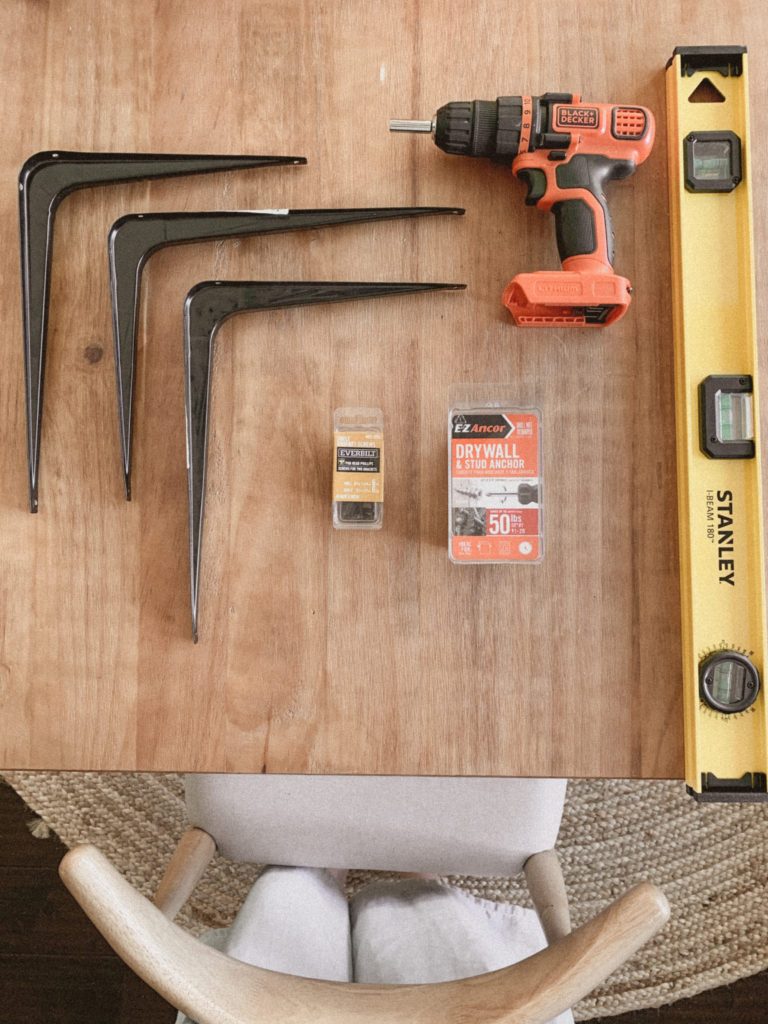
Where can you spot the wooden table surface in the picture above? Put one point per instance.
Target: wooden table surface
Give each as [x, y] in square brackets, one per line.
[320, 650]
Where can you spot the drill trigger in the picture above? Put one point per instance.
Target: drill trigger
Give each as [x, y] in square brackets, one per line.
[536, 183]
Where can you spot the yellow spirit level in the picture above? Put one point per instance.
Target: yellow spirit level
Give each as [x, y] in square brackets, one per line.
[718, 443]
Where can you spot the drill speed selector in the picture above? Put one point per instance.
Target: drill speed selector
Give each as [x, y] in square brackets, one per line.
[565, 152]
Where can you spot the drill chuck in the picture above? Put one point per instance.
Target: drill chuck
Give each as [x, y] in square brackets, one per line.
[493, 128]
[487, 128]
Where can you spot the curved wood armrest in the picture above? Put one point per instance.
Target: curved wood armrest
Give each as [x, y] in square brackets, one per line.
[215, 989]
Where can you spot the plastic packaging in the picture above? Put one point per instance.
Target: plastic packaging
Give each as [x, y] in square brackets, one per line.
[494, 477]
[358, 469]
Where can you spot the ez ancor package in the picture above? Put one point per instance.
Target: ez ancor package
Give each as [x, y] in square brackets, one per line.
[495, 485]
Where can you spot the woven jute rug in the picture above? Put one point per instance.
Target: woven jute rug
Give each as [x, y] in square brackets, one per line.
[711, 862]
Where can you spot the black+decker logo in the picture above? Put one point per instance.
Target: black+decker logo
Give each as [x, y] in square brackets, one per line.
[577, 117]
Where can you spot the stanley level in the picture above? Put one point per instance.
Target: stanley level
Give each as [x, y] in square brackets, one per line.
[718, 444]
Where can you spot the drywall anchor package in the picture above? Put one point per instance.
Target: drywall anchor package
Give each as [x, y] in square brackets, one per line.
[494, 481]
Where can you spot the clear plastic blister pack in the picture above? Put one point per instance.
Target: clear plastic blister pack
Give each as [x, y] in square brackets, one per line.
[494, 477]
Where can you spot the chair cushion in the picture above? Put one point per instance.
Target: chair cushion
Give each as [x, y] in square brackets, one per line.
[442, 825]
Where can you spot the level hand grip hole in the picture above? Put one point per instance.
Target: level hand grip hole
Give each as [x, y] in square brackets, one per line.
[706, 92]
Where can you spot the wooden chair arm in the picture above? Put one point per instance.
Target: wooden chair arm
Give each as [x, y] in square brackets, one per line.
[215, 989]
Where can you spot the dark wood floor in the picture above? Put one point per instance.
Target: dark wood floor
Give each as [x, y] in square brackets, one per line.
[55, 968]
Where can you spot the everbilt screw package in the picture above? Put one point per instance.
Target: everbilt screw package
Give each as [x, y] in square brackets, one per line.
[358, 469]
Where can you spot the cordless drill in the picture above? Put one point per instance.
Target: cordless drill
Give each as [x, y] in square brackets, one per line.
[565, 152]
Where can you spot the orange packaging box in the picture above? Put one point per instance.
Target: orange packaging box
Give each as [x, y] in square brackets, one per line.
[495, 485]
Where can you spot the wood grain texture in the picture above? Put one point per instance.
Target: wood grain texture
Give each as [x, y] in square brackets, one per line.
[54, 965]
[323, 651]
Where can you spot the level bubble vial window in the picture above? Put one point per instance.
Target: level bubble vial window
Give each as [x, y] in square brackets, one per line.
[729, 681]
[712, 161]
[733, 417]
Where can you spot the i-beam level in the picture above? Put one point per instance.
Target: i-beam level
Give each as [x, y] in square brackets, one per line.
[718, 426]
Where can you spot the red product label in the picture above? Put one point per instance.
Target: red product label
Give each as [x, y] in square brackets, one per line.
[495, 487]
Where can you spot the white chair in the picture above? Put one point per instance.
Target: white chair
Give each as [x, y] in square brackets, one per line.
[438, 825]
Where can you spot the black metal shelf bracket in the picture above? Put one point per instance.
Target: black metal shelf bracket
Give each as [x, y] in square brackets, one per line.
[44, 180]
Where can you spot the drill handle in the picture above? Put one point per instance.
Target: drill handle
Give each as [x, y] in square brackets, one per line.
[582, 218]
[574, 191]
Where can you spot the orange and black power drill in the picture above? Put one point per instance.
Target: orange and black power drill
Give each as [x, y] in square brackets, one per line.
[565, 151]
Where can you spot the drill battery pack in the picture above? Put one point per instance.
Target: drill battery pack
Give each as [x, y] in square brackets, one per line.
[562, 298]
